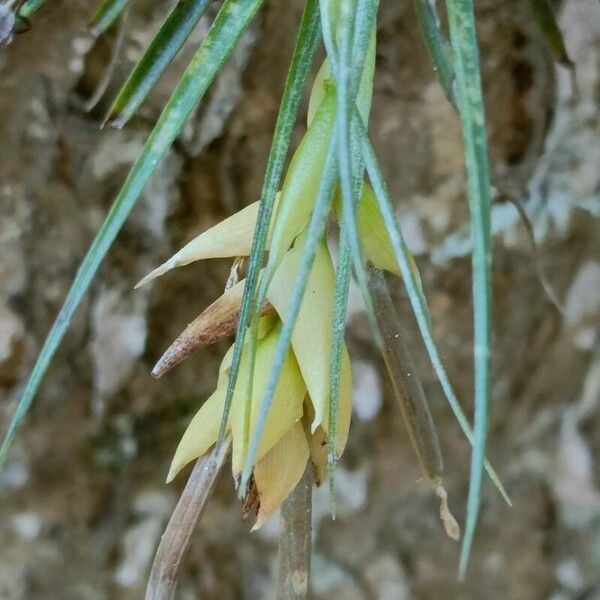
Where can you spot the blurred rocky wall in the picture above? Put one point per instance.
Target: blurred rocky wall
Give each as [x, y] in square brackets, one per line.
[82, 498]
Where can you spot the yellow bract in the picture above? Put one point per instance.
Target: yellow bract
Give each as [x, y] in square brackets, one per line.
[233, 236]
[200, 434]
[302, 180]
[311, 337]
[277, 474]
[365, 90]
[376, 243]
[230, 238]
[286, 409]
[265, 325]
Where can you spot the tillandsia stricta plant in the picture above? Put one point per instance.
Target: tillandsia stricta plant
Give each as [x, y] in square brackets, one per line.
[283, 395]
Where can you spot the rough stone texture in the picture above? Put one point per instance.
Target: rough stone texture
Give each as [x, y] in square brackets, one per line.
[82, 499]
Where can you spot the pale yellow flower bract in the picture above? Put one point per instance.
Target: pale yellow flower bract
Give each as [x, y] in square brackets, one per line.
[278, 473]
[287, 409]
[311, 338]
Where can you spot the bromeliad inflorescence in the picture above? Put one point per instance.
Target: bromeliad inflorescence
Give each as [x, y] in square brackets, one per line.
[286, 399]
[297, 425]
[283, 396]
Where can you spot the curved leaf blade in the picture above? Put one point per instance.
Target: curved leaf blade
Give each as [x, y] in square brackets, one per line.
[415, 293]
[231, 21]
[463, 37]
[106, 14]
[165, 45]
[29, 7]
[437, 46]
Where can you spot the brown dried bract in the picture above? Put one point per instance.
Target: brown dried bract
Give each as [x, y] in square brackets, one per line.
[217, 321]
[251, 501]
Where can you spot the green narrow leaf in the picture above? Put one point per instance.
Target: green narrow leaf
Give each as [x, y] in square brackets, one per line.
[463, 37]
[437, 46]
[347, 78]
[342, 285]
[415, 294]
[302, 59]
[228, 26]
[355, 30]
[553, 37]
[354, 71]
[316, 229]
[106, 14]
[345, 101]
[29, 7]
[165, 45]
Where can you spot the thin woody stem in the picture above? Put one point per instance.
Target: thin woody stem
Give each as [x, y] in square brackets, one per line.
[407, 387]
[175, 540]
[295, 541]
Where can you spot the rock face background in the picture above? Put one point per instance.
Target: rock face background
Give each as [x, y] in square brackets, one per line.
[82, 499]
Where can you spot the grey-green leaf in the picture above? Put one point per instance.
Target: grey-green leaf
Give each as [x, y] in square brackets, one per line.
[29, 7]
[415, 293]
[171, 36]
[106, 14]
[340, 300]
[553, 37]
[437, 46]
[463, 37]
[228, 26]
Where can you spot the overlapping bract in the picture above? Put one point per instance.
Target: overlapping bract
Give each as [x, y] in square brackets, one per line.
[297, 425]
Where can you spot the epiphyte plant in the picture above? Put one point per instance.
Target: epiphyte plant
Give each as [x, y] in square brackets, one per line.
[282, 398]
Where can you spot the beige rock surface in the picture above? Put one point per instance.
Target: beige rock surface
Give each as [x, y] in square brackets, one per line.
[82, 499]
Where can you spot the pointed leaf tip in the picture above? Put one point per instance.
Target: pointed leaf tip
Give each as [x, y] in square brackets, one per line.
[229, 24]
[165, 45]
